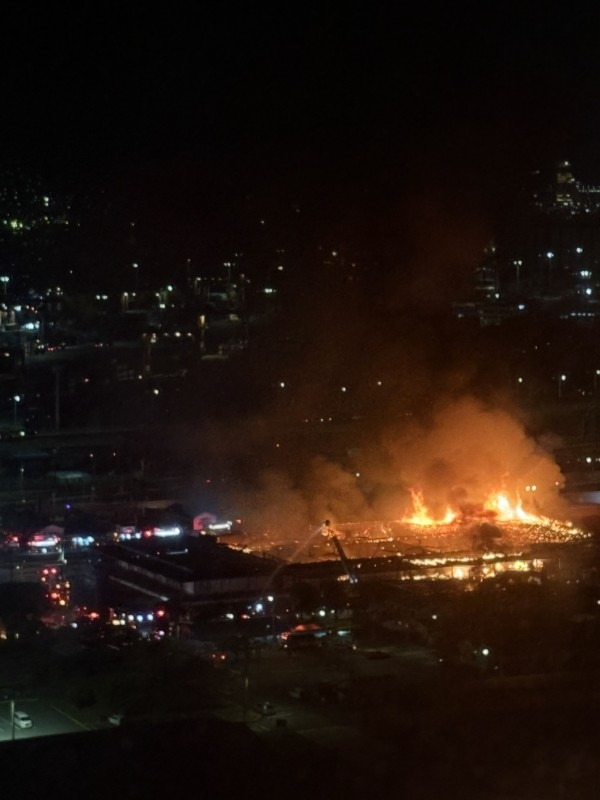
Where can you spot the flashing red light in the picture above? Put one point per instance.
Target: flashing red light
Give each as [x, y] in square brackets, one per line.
[147, 533]
[160, 612]
[45, 572]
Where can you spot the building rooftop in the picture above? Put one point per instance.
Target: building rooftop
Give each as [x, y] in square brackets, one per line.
[189, 558]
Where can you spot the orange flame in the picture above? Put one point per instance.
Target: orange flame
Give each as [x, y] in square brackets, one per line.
[421, 515]
[497, 506]
[503, 510]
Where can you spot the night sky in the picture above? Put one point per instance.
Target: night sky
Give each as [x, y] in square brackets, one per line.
[371, 118]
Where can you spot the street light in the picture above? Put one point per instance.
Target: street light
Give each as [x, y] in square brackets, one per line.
[16, 399]
[549, 256]
[561, 380]
[518, 264]
[271, 599]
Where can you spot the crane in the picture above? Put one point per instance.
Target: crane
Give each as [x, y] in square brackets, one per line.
[340, 551]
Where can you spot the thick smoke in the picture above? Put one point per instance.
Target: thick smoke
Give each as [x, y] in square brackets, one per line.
[286, 507]
[460, 456]
[468, 451]
[392, 377]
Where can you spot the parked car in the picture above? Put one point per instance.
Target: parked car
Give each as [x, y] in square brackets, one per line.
[266, 709]
[22, 720]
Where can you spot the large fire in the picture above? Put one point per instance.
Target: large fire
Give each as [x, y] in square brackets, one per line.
[497, 507]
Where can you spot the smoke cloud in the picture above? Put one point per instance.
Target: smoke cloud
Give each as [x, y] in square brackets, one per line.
[464, 452]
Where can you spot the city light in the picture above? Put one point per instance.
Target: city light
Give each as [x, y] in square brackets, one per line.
[561, 380]
[165, 533]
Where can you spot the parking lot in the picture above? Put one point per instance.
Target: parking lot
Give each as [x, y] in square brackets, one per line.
[306, 691]
[47, 719]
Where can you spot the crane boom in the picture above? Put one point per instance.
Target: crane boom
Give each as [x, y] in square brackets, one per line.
[338, 546]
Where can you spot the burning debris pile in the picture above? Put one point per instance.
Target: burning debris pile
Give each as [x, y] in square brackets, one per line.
[483, 484]
[480, 482]
[496, 518]
[495, 525]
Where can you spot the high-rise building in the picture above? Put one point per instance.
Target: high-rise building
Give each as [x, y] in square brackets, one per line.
[551, 248]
